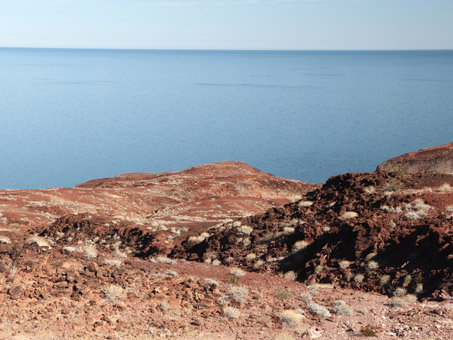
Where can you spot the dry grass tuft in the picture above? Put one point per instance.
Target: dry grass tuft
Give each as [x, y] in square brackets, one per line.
[290, 317]
[41, 242]
[348, 215]
[5, 239]
[231, 313]
[90, 251]
[113, 292]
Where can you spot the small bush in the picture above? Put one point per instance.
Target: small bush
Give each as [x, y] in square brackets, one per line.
[290, 317]
[444, 187]
[41, 242]
[395, 302]
[384, 280]
[289, 230]
[372, 265]
[162, 259]
[90, 251]
[113, 262]
[245, 230]
[113, 292]
[211, 282]
[5, 239]
[299, 245]
[239, 293]
[318, 310]
[348, 215]
[359, 278]
[400, 291]
[344, 264]
[291, 275]
[305, 204]
[250, 257]
[368, 332]
[283, 294]
[233, 279]
[231, 313]
[237, 272]
[340, 308]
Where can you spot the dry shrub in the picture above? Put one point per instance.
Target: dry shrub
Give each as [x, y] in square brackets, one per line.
[290, 317]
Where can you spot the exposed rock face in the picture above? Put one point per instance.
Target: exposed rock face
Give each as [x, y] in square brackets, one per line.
[434, 160]
[377, 231]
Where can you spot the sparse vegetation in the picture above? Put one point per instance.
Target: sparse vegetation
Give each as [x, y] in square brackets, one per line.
[231, 312]
[372, 265]
[41, 242]
[233, 279]
[396, 302]
[299, 245]
[359, 278]
[344, 264]
[305, 204]
[113, 262]
[290, 317]
[238, 294]
[291, 275]
[340, 308]
[284, 336]
[245, 230]
[368, 332]
[211, 282]
[5, 239]
[348, 215]
[90, 251]
[237, 272]
[113, 292]
[283, 294]
[314, 308]
[384, 280]
[162, 259]
[400, 291]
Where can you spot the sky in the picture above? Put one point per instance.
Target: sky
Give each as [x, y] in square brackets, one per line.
[228, 24]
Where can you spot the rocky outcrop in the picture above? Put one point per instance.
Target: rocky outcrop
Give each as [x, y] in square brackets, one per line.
[434, 160]
[380, 232]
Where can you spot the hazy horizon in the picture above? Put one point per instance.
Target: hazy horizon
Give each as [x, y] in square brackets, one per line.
[228, 24]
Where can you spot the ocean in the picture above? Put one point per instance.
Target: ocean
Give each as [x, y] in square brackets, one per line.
[70, 115]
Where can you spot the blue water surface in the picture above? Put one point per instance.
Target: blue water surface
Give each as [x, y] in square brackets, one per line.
[68, 116]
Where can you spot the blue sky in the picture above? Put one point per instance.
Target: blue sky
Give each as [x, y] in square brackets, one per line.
[228, 24]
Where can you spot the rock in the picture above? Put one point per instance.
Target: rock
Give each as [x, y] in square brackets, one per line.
[437, 159]
[15, 292]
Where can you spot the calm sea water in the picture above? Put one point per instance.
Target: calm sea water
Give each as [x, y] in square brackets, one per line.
[68, 116]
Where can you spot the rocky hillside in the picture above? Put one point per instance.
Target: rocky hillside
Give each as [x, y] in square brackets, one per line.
[146, 256]
[437, 160]
[390, 233]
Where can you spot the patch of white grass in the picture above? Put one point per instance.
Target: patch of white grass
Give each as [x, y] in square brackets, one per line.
[299, 245]
[305, 204]
[113, 262]
[231, 313]
[237, 272]
[162, 259]
[348, 215]
[341, 308]
[5, 239]
[90, 251]
[41, 242]
[290, 317]
[113, 292]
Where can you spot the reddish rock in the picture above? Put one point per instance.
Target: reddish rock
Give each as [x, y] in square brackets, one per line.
[433, 160]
